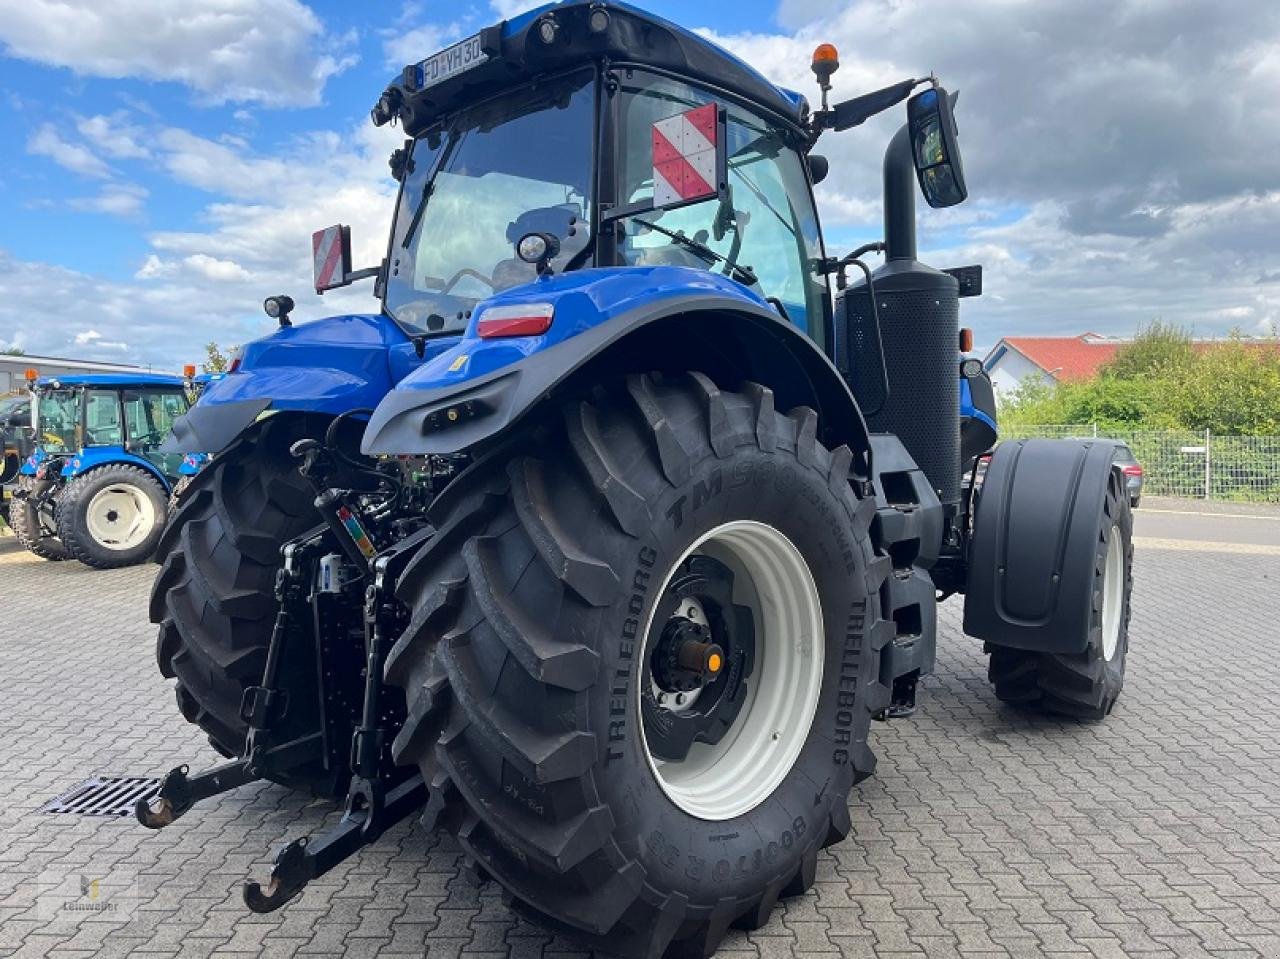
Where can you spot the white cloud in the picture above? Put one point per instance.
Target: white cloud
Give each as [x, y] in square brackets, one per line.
[113, 135]
[402, 47]
[220, 167]
[76, 157]
[115, 199]
[273, 52]
[506, 9]
[153, 268]
[87, 337]
[212, 268]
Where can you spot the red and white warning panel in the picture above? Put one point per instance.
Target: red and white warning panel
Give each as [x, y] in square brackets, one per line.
[331, 256]
[684, 156]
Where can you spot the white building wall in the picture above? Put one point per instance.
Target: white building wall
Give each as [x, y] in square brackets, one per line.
[1011, 369]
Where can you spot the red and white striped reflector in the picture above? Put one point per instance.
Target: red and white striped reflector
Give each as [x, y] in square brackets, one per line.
[684, 156]
[520, 319]
[329, 268]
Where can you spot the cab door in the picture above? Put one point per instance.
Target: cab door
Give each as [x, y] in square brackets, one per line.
[148, 416]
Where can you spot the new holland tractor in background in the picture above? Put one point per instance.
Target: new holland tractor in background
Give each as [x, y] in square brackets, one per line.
[95, 485]
[603, 539]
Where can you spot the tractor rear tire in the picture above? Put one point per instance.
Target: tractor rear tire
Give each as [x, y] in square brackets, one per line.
[112, 516]
[1083, 685]
[214, 597]
[529, 667]
[34, 532]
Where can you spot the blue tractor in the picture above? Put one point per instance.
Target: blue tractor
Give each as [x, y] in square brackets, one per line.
[608, 533]
[96, 484]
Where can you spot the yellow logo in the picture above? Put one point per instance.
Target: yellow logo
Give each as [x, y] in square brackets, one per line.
[458, 363]
[89, 888]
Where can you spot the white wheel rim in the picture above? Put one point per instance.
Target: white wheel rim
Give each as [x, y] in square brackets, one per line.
[120, 516]
[1112, 595]
[732, 777]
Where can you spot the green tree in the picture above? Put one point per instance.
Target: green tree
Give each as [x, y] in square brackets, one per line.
[13, 351]
[217, 361]
[1159, 349]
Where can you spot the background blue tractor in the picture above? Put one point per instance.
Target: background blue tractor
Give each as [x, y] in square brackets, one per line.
[607, 536]
[96, 484]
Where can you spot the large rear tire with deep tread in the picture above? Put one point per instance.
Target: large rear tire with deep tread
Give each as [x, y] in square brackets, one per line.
[524, 662]
[1085, 685]
[214, 595]
[25, 521]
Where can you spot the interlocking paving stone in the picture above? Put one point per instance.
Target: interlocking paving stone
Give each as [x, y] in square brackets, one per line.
[986, 832]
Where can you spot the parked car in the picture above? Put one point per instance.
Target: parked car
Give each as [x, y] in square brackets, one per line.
[1132, 469]
[1134, 475]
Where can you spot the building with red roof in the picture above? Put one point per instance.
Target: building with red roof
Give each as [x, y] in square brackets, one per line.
[1066, 359]
[1053, 359]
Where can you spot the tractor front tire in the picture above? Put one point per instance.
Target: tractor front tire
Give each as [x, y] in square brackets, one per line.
[112, 516]
[35, 532]
[1085, 685]
[559, 593]
[214, 598]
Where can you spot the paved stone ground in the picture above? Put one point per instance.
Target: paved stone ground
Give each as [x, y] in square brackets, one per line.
[985, 832]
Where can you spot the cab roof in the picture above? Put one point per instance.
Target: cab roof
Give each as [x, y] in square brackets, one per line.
[516, 53]
[112, 380]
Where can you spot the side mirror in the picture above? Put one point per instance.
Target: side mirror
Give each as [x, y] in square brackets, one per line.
[934, 149]
[331, 257]
[819, 167]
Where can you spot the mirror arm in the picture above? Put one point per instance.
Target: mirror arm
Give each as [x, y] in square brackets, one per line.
[362, 274]
[852, 113]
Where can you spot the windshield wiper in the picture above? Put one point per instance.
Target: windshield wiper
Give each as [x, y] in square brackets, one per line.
[742, 274]
[428, 188]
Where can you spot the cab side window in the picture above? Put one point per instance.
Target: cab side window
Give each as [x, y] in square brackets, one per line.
[767, 223]
[102, 418]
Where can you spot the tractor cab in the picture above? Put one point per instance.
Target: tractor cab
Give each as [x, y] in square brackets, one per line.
[80, 421]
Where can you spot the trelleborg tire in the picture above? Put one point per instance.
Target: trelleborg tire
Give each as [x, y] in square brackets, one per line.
[1081, 685]
[540, 609]
[34, 531]
[214, 596]
[112, 516]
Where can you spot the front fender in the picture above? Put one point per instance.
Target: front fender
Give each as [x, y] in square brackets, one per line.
[693, 320]
[328, 366]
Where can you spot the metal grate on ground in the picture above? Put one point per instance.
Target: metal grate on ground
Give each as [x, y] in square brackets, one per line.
[104, 796]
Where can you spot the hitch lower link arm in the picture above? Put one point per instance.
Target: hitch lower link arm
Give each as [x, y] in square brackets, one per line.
[261, 707]
[370, 809]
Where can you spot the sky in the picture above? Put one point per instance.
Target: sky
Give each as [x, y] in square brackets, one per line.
[164, 162]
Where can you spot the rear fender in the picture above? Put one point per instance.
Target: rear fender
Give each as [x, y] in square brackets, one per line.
[93, 457]
[481, 389]
[1034, 548]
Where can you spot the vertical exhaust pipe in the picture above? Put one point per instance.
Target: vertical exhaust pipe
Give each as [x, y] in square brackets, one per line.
[899, 198]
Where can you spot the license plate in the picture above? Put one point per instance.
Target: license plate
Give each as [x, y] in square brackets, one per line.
[448, 63]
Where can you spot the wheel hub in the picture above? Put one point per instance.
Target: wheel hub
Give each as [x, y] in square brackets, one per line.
[120, 516]
[686, 658]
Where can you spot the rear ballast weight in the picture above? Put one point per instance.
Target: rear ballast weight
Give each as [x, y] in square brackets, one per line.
[609, 535]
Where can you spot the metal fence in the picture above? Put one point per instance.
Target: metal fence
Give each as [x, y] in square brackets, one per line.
[1199, 465]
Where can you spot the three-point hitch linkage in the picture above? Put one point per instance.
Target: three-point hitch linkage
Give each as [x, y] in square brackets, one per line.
[378, 795]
